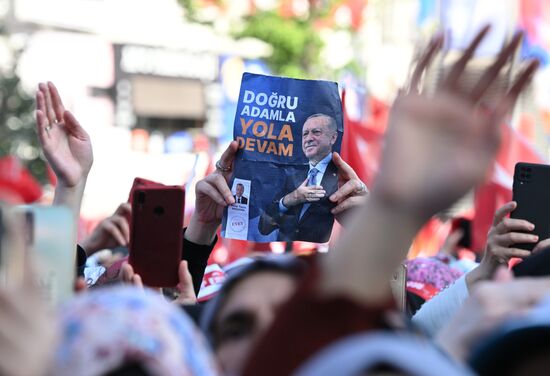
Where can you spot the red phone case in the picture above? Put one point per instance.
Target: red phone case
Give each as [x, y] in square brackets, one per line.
[156, 234]
[142, 183]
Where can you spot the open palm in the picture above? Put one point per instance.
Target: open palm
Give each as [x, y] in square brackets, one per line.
[437, 148]
[66, 144]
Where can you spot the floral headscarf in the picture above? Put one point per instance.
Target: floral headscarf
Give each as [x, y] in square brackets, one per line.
[107, 328]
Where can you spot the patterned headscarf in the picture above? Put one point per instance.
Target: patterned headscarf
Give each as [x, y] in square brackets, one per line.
[107, 328]
[427, 276]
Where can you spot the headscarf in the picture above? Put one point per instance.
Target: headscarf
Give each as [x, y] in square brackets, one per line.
[107, 328]
[427, 276]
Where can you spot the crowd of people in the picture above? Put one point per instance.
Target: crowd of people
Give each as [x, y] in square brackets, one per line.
[338, 313]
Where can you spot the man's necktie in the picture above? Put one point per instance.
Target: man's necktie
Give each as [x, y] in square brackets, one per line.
[239, 200]
[311, 180]
[311, 176]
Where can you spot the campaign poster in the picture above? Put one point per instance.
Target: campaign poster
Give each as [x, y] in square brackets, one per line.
[287, 130]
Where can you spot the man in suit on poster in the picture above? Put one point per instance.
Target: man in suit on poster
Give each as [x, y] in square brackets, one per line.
[302, 211]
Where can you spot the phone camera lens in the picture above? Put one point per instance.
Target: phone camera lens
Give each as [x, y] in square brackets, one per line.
[141, 198]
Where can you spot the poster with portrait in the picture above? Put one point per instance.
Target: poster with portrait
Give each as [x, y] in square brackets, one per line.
[287, 130]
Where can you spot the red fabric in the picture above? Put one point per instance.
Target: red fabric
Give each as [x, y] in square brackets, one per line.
[362, 143]
[424, 290]
[308, 323]
[498, 190]
[17, 183]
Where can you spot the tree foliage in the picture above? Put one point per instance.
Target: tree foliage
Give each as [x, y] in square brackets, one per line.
[17, 125]
[296, 45]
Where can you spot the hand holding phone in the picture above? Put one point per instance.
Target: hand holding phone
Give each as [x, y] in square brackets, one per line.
[156, 234]
[532, 194]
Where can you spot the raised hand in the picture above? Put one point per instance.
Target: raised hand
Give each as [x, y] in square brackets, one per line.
[503, 234]
[212, 195]
[66, 144]
[212, 192]
[440, 147]
[304, 194]
[351, 190]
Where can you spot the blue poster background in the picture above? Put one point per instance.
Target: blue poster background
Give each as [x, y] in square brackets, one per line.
[268, 126]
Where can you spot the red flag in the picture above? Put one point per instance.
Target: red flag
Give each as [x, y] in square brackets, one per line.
[361, 144]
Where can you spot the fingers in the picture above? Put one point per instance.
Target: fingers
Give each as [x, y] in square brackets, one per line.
[304, 183]
[136, 281]
[130, 277]
[73, 126]
[185, 279]
[352, 187]
[515, 238]
[41, 124]
[344, 170]
[220, 183]
[503, 211]
[452, 79]
[206, 188]
[542, 245]
[522, 80]
[433, 47]
[49, 112]
[127, 272]
[114, 231]
[228, 155]
[124, 209]
[123, 228]
[504, 254]
[57, 104]
[350, 202]
[490, 74]
[513, 224]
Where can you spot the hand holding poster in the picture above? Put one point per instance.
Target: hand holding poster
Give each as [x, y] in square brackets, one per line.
[287, 130]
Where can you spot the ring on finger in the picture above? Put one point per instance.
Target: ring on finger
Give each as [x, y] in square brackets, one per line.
[363, 188]
[221, 168]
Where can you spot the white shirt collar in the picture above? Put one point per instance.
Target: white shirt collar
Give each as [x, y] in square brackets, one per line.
[321, 166]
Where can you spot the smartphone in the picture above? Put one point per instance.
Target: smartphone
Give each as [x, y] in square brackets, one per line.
[12, 247]
[142, 183]
[532, 194]
[50, 237]
[156, 234]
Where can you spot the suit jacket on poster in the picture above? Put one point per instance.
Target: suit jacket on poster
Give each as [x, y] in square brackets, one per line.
[244, 200]
[316, 223]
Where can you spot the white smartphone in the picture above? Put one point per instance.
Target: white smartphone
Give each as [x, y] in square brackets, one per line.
[50, 237]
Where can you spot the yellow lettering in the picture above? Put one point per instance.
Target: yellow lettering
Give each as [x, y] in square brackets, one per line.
[286, 132]
[272, 148]
[240, 140]
[249, 144]
[246, 125]
[256, 126]
[261, 145]
[271, 136]
[285, 150]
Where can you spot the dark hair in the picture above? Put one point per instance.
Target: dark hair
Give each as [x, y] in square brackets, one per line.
[332, 125]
